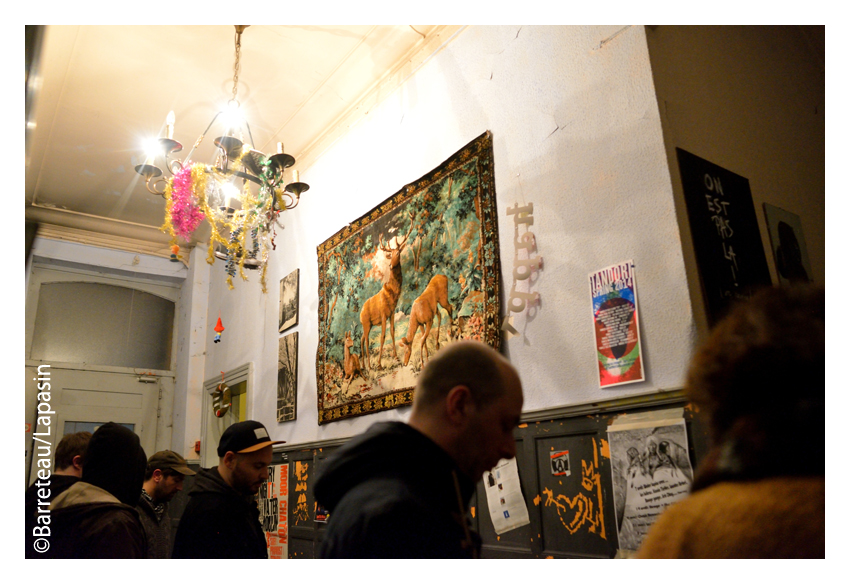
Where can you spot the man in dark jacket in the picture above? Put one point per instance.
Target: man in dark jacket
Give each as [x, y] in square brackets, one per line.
[221, 519]
[68, 467]
[96, 516]
[163, 479]
[402, 490]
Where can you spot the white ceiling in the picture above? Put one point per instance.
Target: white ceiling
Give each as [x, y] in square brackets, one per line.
[105, 89]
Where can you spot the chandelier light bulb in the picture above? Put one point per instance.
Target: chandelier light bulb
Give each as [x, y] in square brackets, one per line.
[232, 115]
[169, 125]
[230, 192]
[152, 149]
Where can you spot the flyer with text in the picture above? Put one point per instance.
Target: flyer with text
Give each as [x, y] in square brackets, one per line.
[616, 325]
[651, 470]
[504, 496]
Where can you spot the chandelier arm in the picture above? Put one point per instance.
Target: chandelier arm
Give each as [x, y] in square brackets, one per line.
[247, 125]
[200, 139]
[152, 182]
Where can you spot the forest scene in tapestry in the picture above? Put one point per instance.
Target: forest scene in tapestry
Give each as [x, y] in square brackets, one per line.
[415, 273]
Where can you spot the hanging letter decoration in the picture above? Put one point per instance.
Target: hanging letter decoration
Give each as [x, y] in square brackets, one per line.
[523, 268]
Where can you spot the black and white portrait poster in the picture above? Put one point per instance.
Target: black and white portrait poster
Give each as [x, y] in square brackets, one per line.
[650, 468]
[287, 377]
[789, 246]
[288, 310]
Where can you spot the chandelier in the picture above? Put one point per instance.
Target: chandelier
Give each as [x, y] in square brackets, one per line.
[240, 195]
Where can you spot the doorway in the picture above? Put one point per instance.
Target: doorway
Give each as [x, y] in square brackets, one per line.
[103, 346]
[239, 380]
[84, 399]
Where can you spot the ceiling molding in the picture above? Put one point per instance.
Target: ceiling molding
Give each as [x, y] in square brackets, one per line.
[158, 247]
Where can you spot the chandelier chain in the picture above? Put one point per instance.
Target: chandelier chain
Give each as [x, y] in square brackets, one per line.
[236, 64]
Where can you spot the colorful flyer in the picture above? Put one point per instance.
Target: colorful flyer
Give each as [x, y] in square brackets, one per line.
[273, 501]
[616, 325]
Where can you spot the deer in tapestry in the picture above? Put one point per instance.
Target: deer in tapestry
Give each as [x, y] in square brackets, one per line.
[380, 308]
[352, 362]
[422, 315]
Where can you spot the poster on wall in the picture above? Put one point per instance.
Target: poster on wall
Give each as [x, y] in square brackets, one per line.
[288, 304]
[725, 232]
[789, 246]
[616, 326]
[420, 270]
[504, 497]
[650, 468]
[287, 377]
[273, 501]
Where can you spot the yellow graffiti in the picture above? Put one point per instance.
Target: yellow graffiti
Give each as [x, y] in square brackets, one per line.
[301, 469]
[300, 513]
[580, 510]
[605, 450]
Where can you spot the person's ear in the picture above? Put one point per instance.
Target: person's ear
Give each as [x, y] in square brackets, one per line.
[229, 459]
[77, 462]
[458, 404]
[157, 475]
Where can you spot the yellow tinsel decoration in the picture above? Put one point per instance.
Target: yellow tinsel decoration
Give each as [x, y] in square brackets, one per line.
[251, 216]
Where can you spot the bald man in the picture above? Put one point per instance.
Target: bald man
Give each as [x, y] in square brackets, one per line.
[401, 490]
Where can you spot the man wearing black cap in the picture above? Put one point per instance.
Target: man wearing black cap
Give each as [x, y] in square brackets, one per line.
[163, 479]
[221, 519]
[96, 516]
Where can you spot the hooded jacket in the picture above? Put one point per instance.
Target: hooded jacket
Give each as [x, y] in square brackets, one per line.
[88, 522]
[58, 485]
[95, 517]
[393, 493]
[218, 522]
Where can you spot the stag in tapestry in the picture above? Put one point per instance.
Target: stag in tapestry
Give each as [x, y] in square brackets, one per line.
[380, 308]
[429, 249]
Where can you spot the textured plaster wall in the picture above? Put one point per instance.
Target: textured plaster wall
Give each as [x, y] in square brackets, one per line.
[576, 131]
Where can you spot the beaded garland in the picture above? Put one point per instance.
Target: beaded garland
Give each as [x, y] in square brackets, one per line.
[190, 197]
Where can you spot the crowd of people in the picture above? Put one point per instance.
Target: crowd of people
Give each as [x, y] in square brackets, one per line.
[402, 489]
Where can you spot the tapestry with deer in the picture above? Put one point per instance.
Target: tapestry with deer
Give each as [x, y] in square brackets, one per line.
[418, 271]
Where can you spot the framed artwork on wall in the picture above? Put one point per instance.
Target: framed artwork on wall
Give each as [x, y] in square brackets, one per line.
[789, 246]
[287, 377]
[420, 270]
[288, 310]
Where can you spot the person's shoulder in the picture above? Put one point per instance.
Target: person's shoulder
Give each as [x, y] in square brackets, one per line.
[381, 493]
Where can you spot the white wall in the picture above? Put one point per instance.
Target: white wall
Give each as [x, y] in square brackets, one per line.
[192, 342]
[576, 131]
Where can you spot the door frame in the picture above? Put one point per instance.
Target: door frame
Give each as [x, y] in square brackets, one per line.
[44, 272]
[211, 426]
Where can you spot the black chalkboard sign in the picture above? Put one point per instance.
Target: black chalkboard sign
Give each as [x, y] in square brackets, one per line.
[729, 252]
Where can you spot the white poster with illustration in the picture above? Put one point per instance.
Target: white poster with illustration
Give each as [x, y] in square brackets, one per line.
[650, 468]
[504, 497]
